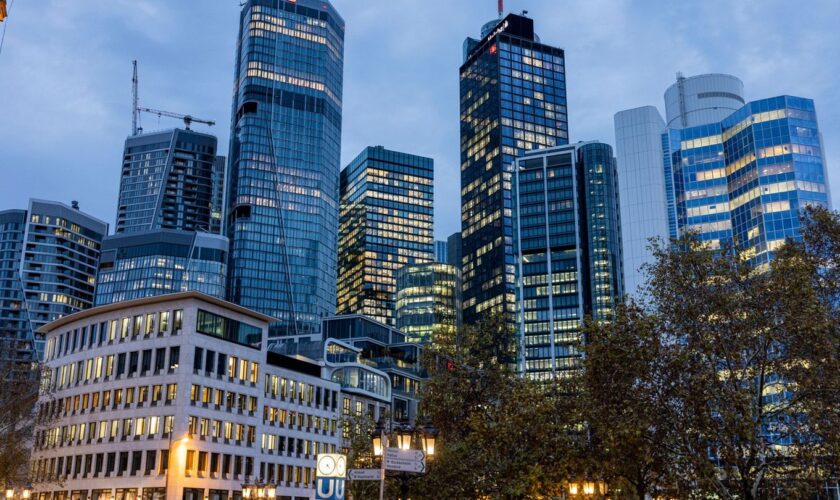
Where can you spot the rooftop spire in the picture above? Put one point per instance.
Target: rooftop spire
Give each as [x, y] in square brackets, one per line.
[501, 8]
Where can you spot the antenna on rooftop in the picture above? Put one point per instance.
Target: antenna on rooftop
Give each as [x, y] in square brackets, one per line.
[501, 8]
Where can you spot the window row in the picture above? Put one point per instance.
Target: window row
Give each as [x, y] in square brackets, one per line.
[115, 399]
[105, 430]
[116, 366]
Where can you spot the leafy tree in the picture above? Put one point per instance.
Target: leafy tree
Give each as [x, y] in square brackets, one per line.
[19, 394]
[501, 436]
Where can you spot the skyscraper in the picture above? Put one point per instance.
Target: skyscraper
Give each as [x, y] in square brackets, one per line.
[386, 222]
[47, 267]
[168, 182]
[453, 250]
[284, 162]
[513, 99]
[744, 180]
[428, 300]
[143, 264]
[441, 251]
[568, 252]
[735, 172]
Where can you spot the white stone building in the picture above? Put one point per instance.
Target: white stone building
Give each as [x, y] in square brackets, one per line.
[176, 396]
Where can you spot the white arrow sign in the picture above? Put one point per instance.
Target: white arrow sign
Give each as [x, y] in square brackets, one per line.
[365, 474]
[405, 460]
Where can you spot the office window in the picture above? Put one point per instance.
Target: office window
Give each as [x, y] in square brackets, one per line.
[198, 358]
[174, 355]
[151, 455]
[178, 321]
[163, 325]
[150, 324]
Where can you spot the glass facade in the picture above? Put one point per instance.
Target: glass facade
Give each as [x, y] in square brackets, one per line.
[57, 267]
[144, 264]
[568, 252]
[284, 162]
[428, 300]
[168, 181]
[744, 180]
[386, 222]
[16, 335]
[513, 99]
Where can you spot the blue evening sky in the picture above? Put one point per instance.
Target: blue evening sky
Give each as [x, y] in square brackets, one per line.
[65, 75]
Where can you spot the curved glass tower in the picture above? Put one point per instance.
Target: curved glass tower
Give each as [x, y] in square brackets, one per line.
[284, 160]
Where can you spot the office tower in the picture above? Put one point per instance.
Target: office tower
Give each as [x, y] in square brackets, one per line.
[47, 268]
[16, 335]
[693, 173]
[744, 180]
[167, 182]
[428, 300]
[513, 99]
[142, 264]
[386, 222]
[441, 250]
[453, 250]
[217, 200]
[177, 396]
[568, 252]
[284, 162]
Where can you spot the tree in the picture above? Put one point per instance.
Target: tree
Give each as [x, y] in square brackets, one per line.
[621, 400]
[501, 436]
[20, 381]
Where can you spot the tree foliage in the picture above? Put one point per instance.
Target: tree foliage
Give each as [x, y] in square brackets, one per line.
[18, 398]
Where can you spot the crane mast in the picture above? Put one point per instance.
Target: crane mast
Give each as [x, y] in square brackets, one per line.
[136, 109]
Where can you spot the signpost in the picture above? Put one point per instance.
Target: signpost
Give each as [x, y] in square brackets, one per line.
[405, 460]
[331, 470]
[364, 474]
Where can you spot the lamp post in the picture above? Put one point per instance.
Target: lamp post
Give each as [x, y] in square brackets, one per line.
[23, 493]
[259, 490]
[405, 437]
[587, 489]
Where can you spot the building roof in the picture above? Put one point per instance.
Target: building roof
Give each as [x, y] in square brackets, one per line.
[157, 299]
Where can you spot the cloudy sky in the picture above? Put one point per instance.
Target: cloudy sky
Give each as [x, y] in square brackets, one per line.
[65, 75]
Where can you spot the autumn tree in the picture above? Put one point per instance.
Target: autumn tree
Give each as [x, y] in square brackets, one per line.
[19, 390]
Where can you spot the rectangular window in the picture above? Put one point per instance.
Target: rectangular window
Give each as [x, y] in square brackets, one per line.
[151, 455]
[209, 360]
[174, 357]
[229, 329]
[150, 324]
[124, 328]
[137, 325]
[171, 391]
[168, 422]
[154, 426]
[163, 325]
[198, 358]
[112, 332]
[178, 322]
[231, 369]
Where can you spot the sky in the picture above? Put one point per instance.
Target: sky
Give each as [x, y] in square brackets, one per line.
[65, 76]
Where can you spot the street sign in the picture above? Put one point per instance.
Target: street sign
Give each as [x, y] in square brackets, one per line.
[329, 488]
[330, 470]
[405, 460]
[365, 474]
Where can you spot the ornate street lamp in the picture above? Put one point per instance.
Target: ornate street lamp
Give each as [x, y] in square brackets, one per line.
[429, 436]
[378, 438]
[404, 434]
[587, 488]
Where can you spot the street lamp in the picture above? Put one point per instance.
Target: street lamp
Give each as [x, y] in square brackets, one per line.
[378, 438]
[259, 490]
[429, 436]
[587, 488]
[25, 493]
[402, 436]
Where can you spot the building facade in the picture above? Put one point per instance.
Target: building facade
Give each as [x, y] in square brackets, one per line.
[176, 396]
[428, 300]
[744, 181]
[453, 250]
[568, 252]
[146, 263]
[284, 162]
[386, 222]
[16, 333]
[56, 272]
[513, 99]
[386, 349]
[441, 251]
[168, 181]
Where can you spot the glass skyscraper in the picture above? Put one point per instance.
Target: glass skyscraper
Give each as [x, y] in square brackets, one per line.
[284, 162]
[168, 181]
[47, 268]
[143, 264]
[428, 299]
[513, 99]
[744, 180]
[386, 222]
[568, 252]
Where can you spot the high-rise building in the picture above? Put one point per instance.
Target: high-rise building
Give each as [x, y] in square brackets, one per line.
[513, 99]
[453, 250]
[178, 396]
[441, 251]
[284, 162]
[142, 264]
[217, 200]
[168, 181]
[17, 342]
[428, 300]
[386, 222]
[735, 172]
[47, 267]
[568, 252]
[745, 180]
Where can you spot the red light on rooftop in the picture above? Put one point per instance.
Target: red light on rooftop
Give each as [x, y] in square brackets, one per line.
[493, 49]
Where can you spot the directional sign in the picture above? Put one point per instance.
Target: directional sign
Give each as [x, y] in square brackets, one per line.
[365, 474]
[405, 460]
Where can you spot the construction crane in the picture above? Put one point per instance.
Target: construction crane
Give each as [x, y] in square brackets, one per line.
[3, 10]
[136, 109]
[188, 119]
